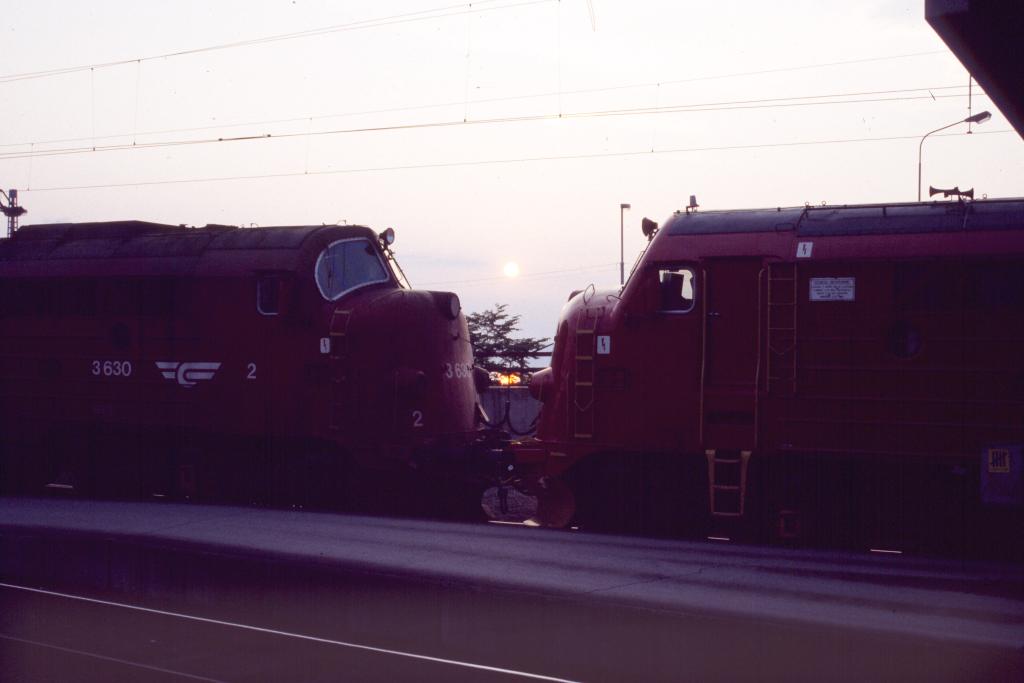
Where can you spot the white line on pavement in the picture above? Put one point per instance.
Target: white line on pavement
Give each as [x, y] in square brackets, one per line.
[298, 636]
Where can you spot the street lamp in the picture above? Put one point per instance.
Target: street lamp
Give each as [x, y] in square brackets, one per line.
[977, 118]
[622, 248]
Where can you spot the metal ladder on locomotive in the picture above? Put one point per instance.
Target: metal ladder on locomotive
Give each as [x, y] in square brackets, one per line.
[584, 376]
[728, 469]
[341, 388]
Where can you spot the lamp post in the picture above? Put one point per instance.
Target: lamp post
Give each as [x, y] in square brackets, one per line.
[977, 118]
[622, 248]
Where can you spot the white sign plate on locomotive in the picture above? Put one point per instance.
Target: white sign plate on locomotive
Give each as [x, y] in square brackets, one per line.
[1002, 475]
[833, 289]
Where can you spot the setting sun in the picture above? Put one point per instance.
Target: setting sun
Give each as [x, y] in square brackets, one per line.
[511, 269]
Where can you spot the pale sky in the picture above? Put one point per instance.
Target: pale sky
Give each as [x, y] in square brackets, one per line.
[512, 129]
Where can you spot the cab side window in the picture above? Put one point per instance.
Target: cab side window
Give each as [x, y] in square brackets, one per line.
[676, 289]
[268, 295]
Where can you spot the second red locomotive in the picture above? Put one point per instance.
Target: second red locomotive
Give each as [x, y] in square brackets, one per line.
[847, 375]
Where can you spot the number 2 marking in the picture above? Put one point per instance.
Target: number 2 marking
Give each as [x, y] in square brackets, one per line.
[252, 371]
[417, 418]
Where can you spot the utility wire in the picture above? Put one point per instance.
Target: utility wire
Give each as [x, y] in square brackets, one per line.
[489, 100]
[306, 119]
[408, 17]
[768, 103]
[486, 162]
[762, 72]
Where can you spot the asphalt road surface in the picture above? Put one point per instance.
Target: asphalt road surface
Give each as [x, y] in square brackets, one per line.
[48, 636]
[113, 591]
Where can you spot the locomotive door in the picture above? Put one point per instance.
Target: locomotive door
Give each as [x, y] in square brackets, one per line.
[730, 353]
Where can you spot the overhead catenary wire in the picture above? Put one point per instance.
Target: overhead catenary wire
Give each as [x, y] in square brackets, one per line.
[736, 105]
[407, 17]
[488, 100]
[508, 160]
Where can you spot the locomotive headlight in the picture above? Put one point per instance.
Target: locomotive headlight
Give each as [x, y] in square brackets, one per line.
[454, 306]
[541, 383]
[448, 303]
[387, 238]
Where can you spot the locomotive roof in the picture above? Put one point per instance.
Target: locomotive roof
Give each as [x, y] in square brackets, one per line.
[866, 219]
[141, 239]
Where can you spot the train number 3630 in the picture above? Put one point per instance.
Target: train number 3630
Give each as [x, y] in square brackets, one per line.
[112, 368]
[459, 370]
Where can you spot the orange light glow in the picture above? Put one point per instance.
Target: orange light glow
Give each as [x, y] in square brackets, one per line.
[510, 379]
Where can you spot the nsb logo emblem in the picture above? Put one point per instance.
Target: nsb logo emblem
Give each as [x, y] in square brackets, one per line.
[187, 374]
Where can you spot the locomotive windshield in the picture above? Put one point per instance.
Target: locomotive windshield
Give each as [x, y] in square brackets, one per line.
[346, 265]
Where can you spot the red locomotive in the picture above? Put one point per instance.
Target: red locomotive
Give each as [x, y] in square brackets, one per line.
[849, 375]
[223, 362]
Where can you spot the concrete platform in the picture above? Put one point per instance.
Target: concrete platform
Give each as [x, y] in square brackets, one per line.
[528, 602]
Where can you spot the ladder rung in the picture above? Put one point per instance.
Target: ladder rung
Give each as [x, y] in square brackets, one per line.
[584, 384]
[726, 487]
[728, 461]
[584, 358]
[726, 514]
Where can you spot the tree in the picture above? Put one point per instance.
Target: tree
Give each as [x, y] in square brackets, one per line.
[494, 347]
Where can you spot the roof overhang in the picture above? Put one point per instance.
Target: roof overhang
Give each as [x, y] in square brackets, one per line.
[985, 35]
